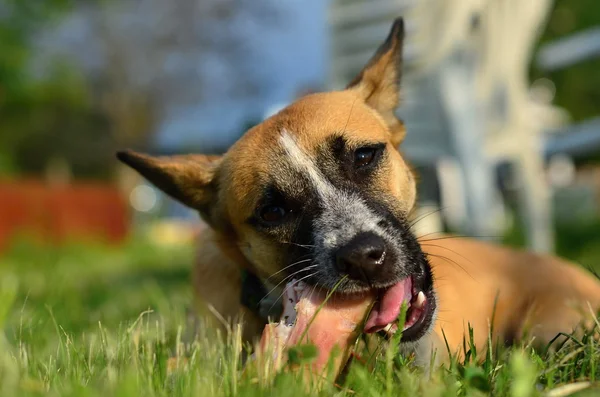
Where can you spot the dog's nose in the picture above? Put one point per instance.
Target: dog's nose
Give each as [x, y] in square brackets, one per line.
[362, 258]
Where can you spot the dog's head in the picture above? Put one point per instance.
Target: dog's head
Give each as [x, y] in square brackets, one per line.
[318, 191]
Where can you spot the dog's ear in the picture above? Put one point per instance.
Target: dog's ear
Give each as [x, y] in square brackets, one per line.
[379, 82]
[189, 179]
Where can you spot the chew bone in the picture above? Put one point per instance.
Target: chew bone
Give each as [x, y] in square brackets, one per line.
[308, 318]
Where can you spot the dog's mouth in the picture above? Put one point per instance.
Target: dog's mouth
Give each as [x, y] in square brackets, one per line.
[386, 309]
[329, 319]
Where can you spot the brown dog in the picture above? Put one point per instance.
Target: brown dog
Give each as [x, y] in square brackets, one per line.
[321, 193]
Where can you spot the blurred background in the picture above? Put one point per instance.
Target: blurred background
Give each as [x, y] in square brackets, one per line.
[501, 99]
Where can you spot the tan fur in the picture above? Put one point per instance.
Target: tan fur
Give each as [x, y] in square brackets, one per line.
[538, 294]
[217, 283]
[526, 295]
[310, 120]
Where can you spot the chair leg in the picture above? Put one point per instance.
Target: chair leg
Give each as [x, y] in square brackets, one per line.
[535, 202]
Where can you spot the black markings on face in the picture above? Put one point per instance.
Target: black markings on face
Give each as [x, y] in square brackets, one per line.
[356, 163]
[317, 202]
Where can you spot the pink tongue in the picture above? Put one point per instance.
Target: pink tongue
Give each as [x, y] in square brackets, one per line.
[387, 309]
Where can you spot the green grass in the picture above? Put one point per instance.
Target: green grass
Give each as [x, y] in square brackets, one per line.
[86, 320]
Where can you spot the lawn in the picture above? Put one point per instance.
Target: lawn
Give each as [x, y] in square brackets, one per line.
[87, 320]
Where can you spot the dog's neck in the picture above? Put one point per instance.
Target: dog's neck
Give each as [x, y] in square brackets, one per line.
[260, 298]
[253, 291]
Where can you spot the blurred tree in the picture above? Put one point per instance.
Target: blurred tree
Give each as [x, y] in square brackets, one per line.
[19, 23]
[54, 122]
[578, 86]
[159, 55]
[148, 55]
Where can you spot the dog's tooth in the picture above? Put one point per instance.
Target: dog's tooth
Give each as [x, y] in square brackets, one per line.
[420, 300]
[391, 329]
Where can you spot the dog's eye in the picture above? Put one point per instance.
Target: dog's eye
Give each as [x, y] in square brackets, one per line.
[272, 213]
[364, 156]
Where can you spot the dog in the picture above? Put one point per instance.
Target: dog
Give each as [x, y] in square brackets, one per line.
[320, 191]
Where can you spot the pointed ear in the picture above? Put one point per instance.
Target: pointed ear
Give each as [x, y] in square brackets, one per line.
[379, 82]
[189, 179]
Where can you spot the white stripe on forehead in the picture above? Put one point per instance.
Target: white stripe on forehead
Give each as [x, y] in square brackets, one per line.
[344, 214]
[303, 163]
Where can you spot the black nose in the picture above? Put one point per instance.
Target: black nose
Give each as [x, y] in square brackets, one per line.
[362, 258]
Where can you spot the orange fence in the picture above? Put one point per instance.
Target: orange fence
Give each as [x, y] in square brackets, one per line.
[57, 214]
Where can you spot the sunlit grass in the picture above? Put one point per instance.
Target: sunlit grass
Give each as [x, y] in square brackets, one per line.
[94, 321]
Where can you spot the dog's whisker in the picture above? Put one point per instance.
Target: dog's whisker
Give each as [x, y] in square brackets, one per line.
[314, 287]
[341, 287]
[283, 292]
[281, 282]
[349, 115]
[446, 237]
[299, 245]
[452, 262]
[288, 266]
[420, 238]
[420, 218]
[448, 249]
[286, 279]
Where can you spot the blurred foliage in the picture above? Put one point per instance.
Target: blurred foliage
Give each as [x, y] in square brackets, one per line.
[578, 86]
[63, 115]
[66, 116]
[19, 21]
[42, 119]
[575, 240]
[53, 119]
